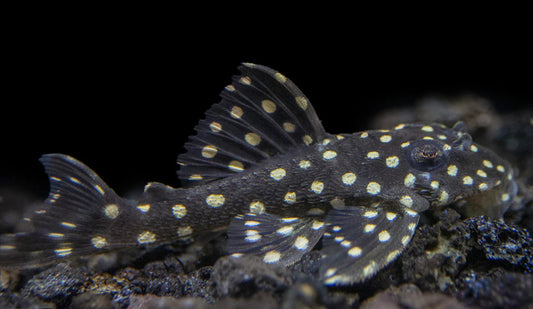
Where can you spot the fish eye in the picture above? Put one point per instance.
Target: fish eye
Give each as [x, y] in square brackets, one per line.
[427, 156]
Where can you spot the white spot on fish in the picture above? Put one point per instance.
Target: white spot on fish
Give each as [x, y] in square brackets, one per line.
[487, 163]
[146, 237]
[392, 255]
[406, 201]
[63, 252]
[280, 77]
[236, 112]
[307, 140]
[385, 138]
[317, 187]
[290, 198]
[215, 127]
[285, 230]
[272, 257]
[289, 127]
[144, 208]
[329, 154]
[304, 164]
[111, 211]
[257, 207]
[99, 242]
[252, 138]
[373, 188]
[369, 228]
[370, 214]
[179, 211]
[384, 236]
[452, 170]
[349, 178]
[268, 106]
[215, 200]
[369, 269]
[392, 162]
[278, 174]
[184, 231]
[355, 252]
[443, 198]
[209, 151]
[302, 102]
[236, 166]
[301, 243]
[317, 225]
[372, 155]
[409, 180]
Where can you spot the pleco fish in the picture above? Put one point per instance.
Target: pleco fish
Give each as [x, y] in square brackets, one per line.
[262, 167]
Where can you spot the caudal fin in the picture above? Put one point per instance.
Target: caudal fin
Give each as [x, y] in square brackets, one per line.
[80, 217]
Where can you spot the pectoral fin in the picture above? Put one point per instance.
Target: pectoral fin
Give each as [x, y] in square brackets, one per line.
[360, 241]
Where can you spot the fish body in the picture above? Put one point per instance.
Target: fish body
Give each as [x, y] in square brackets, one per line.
[262, 167]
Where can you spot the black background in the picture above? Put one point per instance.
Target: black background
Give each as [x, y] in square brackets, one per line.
[123, 98]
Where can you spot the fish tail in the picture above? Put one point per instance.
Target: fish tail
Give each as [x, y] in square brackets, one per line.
[80, 217]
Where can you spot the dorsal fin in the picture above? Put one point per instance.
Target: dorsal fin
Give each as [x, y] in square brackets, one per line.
[261, 114]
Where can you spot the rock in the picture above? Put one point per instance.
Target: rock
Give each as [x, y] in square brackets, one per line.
[58, 283]
[503, 242]
[311, 294]
[248, 275]
[410, 296]
[92, 301]
[495, 288]
[437, 253]
[164, 302]
[260, 300]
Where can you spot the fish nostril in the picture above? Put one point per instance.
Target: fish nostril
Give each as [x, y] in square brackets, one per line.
[459, 126]
[463, 141]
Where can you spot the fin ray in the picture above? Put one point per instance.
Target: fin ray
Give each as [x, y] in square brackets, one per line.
[360, 241]
[282, 241]
[261, 114]
[71, 221]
